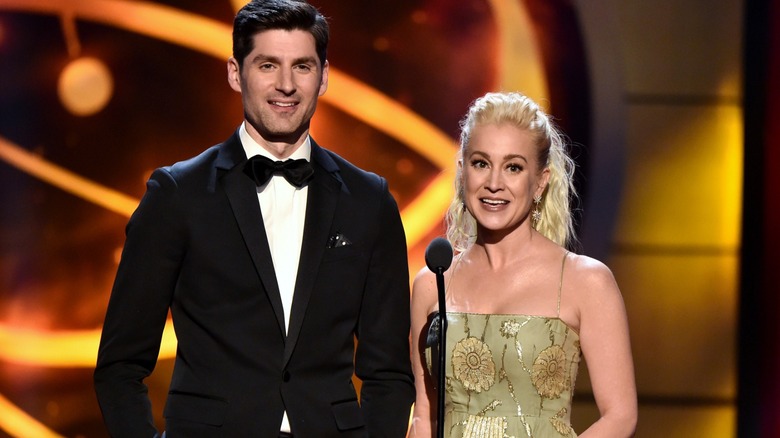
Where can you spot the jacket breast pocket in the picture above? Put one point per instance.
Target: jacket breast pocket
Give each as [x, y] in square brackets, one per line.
[195, 408]
[348, 415]
[341, 253]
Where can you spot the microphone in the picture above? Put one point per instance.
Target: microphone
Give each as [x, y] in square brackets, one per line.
[438, 257]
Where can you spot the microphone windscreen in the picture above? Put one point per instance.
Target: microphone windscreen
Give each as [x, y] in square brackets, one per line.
[438, 255]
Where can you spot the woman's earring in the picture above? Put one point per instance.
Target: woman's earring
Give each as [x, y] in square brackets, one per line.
[536, 215]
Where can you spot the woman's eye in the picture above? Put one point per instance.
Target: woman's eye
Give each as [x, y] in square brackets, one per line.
[514, 167]
[479, 164]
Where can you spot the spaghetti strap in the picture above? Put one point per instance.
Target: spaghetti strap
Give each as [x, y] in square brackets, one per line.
[560, 284]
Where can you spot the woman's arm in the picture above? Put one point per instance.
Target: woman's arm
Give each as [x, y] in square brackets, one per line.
[424, 296]
[605, 343]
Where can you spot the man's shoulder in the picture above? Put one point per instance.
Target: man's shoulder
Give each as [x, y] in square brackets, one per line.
[203, 160]
[223, 155]
[350, 172]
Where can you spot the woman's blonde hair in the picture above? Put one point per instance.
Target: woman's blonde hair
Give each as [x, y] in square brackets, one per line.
[519, 110]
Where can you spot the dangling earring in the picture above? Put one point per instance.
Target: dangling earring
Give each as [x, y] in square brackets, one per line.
[536, 215]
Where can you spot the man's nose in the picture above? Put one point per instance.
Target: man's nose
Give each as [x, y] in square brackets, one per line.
[285, 82]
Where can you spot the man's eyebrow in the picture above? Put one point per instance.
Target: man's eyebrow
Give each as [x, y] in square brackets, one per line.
[260, 58]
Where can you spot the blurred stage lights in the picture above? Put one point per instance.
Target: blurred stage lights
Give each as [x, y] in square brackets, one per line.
[85, 86]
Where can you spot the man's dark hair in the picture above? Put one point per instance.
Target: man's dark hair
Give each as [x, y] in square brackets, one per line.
[261, 15]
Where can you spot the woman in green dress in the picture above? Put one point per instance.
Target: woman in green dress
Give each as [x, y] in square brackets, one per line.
[521, 308]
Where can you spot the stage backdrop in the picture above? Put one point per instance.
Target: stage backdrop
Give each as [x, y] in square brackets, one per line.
[95, 94]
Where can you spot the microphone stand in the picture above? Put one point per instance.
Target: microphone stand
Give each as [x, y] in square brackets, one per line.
[438, 257]
[442, 350]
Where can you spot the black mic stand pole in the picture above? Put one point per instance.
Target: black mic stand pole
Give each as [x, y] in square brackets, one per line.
[442, 350]
[438, 257]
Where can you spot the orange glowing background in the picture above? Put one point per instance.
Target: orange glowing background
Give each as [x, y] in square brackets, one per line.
[95, 94]
[97, 75]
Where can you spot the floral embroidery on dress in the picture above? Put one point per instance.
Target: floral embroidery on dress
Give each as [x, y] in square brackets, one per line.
[561, 426]
[478, 426]
[509, 376]
[509, 328]
[548, 372]
[472, 364]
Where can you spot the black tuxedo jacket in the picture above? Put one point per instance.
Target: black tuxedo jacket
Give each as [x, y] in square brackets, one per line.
[196, 245]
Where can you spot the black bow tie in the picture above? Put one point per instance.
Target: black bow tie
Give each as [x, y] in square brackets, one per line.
[296, 172]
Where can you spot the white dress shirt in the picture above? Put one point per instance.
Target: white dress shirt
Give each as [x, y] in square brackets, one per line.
[284, 212]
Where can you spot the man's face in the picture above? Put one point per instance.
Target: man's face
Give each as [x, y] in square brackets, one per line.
[280, 82]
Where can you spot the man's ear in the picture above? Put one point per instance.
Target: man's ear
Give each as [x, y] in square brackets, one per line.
[324, 79]
[234, 74]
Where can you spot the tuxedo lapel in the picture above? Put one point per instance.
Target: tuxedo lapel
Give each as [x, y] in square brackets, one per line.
[242, 194]
[322, 199]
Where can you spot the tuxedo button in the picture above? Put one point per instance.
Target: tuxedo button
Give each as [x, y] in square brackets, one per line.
[286, 376]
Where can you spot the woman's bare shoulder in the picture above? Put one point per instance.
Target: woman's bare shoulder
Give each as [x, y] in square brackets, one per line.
[585, 265]
[589, 275]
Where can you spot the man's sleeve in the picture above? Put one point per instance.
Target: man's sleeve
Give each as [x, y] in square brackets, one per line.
[138, 309]
[382, 359]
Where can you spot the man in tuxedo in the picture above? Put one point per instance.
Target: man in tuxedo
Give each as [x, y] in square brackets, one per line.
[271, 267]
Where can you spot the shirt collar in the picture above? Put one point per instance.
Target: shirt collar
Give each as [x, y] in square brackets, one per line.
[252, 148]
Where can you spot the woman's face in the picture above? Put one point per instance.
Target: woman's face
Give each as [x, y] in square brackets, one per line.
[501, 176]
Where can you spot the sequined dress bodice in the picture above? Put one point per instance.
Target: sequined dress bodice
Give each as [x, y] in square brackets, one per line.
[506, 375]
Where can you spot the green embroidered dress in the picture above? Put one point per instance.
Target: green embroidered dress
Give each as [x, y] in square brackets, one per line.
[507, 375]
